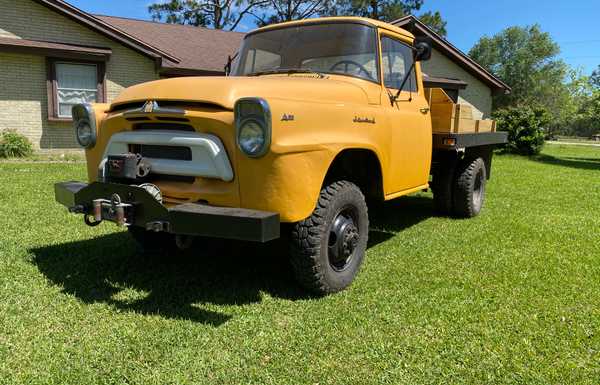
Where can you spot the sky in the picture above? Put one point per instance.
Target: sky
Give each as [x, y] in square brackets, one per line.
[574, 24]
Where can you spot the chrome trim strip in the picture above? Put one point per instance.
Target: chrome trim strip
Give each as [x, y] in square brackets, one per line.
[209, 158]
[152, 107]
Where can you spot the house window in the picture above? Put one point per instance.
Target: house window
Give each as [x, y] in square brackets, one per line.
[71, 83]
[75, 84]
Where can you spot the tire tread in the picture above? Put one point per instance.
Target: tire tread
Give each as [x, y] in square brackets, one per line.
[306, 238]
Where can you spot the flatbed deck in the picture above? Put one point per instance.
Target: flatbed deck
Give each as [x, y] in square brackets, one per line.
[457, 141]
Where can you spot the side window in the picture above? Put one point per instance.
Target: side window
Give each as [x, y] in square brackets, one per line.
[397, 58]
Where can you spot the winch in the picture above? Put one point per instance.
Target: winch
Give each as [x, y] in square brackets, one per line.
[127, 166]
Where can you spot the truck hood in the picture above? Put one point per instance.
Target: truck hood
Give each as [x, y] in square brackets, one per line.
[225, 91]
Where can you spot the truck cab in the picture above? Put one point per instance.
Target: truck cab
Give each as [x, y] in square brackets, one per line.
[315, 119]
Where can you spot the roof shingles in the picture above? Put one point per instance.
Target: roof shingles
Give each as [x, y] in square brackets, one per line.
[197, 48]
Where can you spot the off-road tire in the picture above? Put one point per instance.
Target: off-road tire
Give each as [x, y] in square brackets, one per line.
[469, 188]
[310, 239]
[152, 242]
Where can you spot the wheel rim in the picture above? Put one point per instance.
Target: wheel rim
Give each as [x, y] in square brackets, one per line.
[478, 188]
[343, 238]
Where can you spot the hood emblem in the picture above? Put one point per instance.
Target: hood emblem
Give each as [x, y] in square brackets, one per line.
[150, 107]
[358, 119]
[287, 118]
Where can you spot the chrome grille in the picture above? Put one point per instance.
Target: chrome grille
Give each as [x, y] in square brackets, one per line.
[163, 126]
[162, 152]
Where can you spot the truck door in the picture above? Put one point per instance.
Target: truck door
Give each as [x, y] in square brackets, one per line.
[409, 119]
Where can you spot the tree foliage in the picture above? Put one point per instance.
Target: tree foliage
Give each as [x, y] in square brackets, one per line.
[227, 14]
[278, 11]
[218, 14]
[595, 78]
[525, 126]
[526, 59]
[434, 21]
[386, 10]
[586, 121]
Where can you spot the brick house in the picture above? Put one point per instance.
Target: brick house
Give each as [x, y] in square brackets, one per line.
[53, 55]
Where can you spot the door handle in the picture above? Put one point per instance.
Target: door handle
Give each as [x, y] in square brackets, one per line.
[424, 110]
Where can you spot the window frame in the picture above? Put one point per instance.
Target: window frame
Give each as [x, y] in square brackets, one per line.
[409, 46]
[52, 84]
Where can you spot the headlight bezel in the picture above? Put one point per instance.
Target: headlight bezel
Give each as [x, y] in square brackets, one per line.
[84, 114]
[262, 117]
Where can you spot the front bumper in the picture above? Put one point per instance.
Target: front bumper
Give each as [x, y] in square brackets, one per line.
[139, 208]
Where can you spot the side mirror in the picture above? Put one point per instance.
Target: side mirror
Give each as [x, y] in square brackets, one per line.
[422, 46]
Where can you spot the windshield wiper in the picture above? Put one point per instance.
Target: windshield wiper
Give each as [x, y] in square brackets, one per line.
[286, 71]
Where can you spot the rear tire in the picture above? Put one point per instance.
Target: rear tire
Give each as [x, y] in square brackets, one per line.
[327, 248]
[469, 188]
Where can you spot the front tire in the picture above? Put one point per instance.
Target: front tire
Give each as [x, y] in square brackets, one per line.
[329, 246]
[152, 242]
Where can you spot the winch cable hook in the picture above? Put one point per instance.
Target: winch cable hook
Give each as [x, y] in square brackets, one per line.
[90, 220]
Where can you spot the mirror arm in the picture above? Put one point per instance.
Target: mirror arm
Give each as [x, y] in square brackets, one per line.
[393, 98]
[227, 67]
[230, 60]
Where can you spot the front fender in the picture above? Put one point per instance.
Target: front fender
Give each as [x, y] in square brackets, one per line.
[289, 178]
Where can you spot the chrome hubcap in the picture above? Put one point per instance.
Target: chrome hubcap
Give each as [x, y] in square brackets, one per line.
[478, 188]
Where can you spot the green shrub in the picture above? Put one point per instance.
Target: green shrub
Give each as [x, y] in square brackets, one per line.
[525, 126]
[14, 145]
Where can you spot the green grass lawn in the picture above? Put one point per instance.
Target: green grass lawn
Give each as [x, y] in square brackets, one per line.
[510, 297]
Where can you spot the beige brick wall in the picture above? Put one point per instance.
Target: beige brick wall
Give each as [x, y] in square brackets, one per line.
[477, 94]
[23, 95]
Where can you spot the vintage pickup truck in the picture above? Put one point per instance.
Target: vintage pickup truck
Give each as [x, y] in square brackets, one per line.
[316, 118]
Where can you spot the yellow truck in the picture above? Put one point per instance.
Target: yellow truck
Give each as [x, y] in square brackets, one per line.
[315, 118]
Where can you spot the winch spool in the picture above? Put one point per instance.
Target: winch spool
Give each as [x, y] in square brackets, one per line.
[153, 190]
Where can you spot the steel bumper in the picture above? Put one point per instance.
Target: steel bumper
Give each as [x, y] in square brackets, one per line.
[134, 206]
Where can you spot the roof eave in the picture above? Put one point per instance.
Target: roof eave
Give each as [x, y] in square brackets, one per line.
[106, 29]
[67, 51]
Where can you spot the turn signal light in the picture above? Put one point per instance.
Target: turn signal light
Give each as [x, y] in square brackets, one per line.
[449, 141]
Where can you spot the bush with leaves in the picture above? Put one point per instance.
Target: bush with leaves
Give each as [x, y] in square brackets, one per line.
[586, 121]
[14, 145]
[525, 126]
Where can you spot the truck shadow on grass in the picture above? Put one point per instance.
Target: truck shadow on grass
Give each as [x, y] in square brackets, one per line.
[582, 163]
[111, 269]
[576, 162]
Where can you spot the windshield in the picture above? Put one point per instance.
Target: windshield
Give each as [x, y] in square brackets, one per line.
[335, 48]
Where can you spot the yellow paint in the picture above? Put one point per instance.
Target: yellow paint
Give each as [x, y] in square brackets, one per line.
[288, 179]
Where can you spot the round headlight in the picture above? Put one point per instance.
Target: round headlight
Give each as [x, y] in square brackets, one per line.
[84, 122]
[252, 138]
[85, 134]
